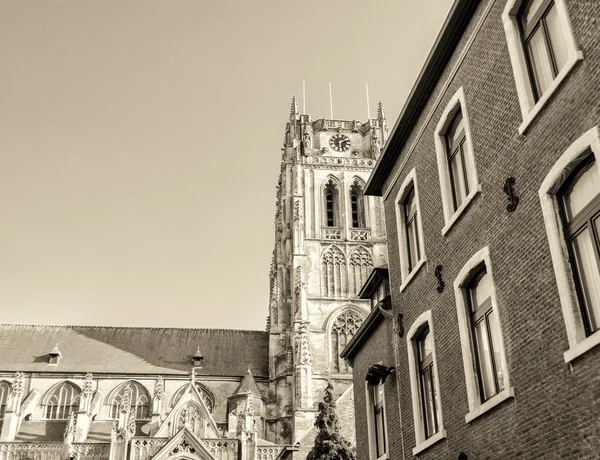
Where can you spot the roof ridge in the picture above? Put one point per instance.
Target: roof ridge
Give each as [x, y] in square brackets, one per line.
[80, 326]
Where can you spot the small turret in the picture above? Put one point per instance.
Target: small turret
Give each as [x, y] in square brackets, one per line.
[294, 108]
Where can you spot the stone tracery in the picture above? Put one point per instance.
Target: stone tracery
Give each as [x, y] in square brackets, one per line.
[333, 272]
[343, 329]
[361, 265]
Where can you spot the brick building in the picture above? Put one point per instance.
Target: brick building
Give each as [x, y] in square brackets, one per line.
[492, 198]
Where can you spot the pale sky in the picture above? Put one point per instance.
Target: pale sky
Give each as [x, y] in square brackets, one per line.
[140, 144]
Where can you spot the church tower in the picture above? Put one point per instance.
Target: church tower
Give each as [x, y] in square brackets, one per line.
[328, 238]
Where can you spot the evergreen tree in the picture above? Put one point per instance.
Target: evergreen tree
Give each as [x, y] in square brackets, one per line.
[329, 444]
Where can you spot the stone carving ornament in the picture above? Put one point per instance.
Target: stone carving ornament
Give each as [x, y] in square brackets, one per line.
[302, 349]
[88, 385]
[361, 258]
[16, 388]
[307, 141]
[334, 256]
[159, 390]
[347, 323]
[183, 446]
[376, 145]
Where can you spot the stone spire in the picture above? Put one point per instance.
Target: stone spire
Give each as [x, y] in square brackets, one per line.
[294, 108]
[247, 385]
[380, 111]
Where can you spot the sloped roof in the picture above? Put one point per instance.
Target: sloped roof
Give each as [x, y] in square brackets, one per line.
[247, 385]
[132, 350]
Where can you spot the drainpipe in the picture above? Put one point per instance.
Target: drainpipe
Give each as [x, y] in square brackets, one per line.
[386, 314]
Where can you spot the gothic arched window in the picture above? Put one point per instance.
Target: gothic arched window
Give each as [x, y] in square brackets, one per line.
[343, 329]
[357, 204]
[4, 392]
[207, 397]
[361, 265]
[333, 272]
[133, 394]
[331, 203]
[62, 400]
[191, 418]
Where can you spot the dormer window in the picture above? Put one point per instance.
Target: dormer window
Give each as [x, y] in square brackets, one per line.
[198, 359]
[383, 290]
[54, 356]
[376, 288]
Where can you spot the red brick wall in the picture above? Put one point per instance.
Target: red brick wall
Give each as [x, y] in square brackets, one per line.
[556, 409]
[376, 348]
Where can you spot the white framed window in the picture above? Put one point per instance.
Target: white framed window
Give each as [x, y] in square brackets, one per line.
[542, 51]
[424, 384]
[486, 370]
[570, 199]
[410, 229]
[456, 162]
[377, 423]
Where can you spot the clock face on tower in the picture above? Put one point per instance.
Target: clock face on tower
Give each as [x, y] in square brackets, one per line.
[339, 142]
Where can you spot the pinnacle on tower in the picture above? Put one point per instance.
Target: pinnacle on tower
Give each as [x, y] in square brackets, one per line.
[380, 110]
[294, 109]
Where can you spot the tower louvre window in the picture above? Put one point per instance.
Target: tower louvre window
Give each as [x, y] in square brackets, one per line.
[331, 198]
[355, 219]
[357, 204]
[330, 213]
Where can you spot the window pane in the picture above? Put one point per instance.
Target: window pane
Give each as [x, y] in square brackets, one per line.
[381, 291]
[380, 429]
[589, 275]
[459, 181]
[495, 333]
[486, 376]
[425, 345]
[413, 248]
[529, 10]
[428, 402]
[541, 65]
[410, 206]
[557, 40]
[481, 291]
[455, 132]
[585, 188]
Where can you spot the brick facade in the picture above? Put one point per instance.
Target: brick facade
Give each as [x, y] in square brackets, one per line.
[555, 411]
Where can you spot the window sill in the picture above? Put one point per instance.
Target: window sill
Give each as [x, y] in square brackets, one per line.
[413, 273]
[429, 442]
[582, 347]
[505, 394]
[540, 104]
[450, 222]
[383, 457]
